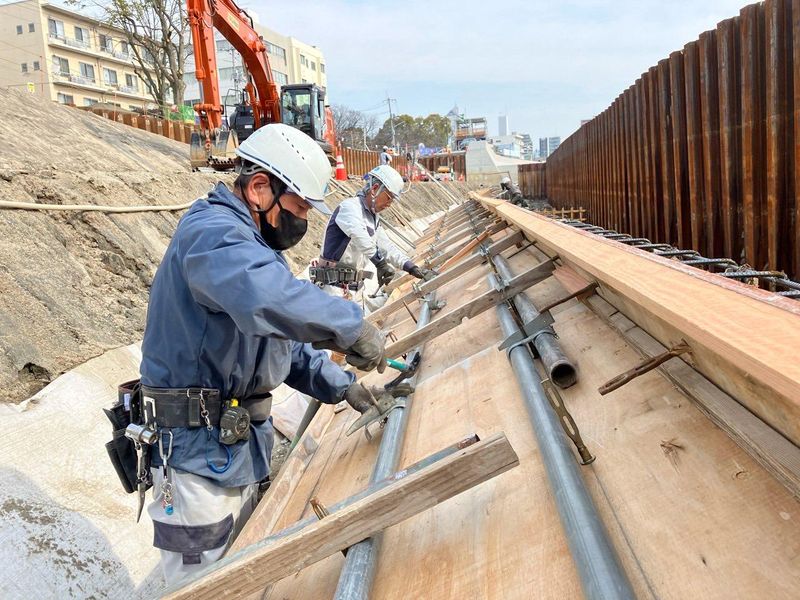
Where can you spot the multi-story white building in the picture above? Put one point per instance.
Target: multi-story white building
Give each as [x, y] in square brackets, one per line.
[291, 60]
[67, 57]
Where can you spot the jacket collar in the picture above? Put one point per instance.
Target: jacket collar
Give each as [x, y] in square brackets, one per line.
[221, 195]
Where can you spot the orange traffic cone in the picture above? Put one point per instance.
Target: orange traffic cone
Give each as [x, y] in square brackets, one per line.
[341, 172]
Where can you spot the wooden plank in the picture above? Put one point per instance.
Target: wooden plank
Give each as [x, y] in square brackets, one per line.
[739, 334]
[769, 448]
[446, 276]
[408, 493]
[470, 309]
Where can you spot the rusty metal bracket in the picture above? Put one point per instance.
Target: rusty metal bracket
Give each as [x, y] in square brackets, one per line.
[643, 367]
[584, 290]
[567, 422]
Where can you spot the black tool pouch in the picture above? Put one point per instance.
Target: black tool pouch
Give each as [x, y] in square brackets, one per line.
[121, 450]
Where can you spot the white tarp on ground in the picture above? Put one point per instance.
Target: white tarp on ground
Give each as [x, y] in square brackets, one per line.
[67, 528]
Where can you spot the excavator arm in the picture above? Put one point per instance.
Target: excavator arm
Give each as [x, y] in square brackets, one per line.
[236, 27]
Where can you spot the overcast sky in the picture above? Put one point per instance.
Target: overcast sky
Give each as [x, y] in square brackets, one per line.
[547, 65]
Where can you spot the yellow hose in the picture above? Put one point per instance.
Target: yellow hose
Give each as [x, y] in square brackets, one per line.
[93, 207]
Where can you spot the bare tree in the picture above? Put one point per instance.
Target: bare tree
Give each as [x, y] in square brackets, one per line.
[157, 32]
[353, 127]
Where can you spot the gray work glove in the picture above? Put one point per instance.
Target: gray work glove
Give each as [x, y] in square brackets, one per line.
[358, 397]
[368, 351]
[385, 272]
[420, 273]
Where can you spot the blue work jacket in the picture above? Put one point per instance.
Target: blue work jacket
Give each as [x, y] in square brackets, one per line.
[226, 312]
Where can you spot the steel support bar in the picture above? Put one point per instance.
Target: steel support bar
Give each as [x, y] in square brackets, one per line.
[597, 563]
[355, 580]
[559, 368]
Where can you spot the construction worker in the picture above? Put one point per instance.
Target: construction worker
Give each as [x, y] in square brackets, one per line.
[386, 158]
[227, 323]
[511, 192]
[355, 242]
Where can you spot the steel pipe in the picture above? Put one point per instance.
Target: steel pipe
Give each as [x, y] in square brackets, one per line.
[597, 563]
[560, 369]
[358, 573]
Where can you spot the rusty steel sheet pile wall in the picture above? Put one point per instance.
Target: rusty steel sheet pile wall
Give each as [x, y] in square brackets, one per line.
[457, 162]
[532, 180]
[359, 162]
[701, 151]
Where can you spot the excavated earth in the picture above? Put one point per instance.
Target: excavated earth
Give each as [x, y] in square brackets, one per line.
[75, 284]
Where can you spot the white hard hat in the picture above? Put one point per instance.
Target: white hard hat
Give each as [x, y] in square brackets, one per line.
[391, 179]
[506, 179]
[385, 147]
[293, 157]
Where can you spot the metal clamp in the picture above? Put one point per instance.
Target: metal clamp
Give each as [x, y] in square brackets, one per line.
[529, 332]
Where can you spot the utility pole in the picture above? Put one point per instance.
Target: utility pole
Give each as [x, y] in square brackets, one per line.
[391, 118]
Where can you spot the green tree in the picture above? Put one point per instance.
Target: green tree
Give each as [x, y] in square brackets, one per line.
[432, 130]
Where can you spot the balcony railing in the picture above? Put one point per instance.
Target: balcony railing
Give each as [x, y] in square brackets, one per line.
[73, 42]
[129, 89]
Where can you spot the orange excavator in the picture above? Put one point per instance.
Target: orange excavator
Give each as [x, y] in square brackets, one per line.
[299, 105]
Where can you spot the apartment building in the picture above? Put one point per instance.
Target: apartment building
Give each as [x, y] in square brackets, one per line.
[67, 57]
[291, 60]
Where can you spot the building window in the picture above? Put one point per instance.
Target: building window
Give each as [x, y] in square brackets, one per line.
[225, 46]
[123, 48]
[65, 98]
[313, 66]
[36, 65]
[110, 76]
[87, 72]
[19, 29]
[276, 50]
[191, 102]
[106, 43]
[89, 101]
[31, 27]
[303, 61]
[280, 78]
[24, 67]
[56, 29]
[131, 82]
[61, 66]
[321, 67]
[82, 36]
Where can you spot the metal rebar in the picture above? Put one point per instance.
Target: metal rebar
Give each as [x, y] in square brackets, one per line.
[559, 368]
[597, 563]
[358, 572]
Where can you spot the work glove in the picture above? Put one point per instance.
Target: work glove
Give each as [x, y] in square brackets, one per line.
[358, 397]
[368, 351]
[385, 271]
[421, 273]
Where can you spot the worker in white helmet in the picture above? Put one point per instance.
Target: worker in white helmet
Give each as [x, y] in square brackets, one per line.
[386, 158]
[510, 191]
[355, 242]
[227, 323]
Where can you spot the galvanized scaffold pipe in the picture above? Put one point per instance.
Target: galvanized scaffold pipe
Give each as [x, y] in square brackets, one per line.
[355, 580]
[599, 568]
[559, 368]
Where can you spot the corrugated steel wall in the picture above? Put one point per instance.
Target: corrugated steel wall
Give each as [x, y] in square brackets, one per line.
[532, 180]
[702, 151]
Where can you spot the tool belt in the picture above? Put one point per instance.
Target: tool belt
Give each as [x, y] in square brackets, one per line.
[121, 450]
[183, 407]
[329, 273]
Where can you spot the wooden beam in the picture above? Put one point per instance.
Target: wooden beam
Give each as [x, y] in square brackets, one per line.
[445, 276]
[468, 230]
[742, 338]
[441, 259]
[408, 493]
[470, 309]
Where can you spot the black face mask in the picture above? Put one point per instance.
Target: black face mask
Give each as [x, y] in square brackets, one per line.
[289, 231]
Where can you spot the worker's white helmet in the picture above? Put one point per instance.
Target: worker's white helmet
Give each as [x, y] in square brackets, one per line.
[293, 157]
[506, 179]
[391, 179]
[385, 148]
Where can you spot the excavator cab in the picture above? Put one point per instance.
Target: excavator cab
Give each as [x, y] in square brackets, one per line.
[303, 107]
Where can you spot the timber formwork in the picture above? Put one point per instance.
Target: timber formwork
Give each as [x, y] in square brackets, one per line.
[675, 504]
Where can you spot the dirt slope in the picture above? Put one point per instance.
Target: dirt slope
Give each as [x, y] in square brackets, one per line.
[75, 284]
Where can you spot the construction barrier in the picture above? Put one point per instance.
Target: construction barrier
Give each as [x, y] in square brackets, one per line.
[456, 161]
[176, 130]
[532, 180]
[359, 162]
[701, 151]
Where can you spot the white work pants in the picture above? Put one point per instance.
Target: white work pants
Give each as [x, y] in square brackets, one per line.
[205, 520]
